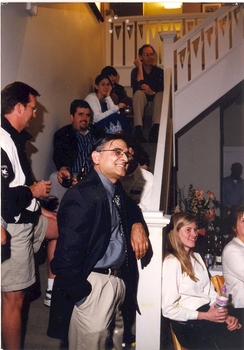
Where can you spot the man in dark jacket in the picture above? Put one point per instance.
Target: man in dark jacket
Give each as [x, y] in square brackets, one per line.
[72, 144]
[147, 82]
[101, 234]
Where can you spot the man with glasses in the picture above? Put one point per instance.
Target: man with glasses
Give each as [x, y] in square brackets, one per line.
[101, 235]
[27, 224]
[147, 82]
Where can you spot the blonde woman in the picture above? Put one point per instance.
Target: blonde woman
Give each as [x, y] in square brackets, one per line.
[188, 297]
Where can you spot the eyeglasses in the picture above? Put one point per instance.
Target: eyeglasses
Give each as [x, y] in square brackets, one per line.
[34, 109]
[148, 54]
[118, 152]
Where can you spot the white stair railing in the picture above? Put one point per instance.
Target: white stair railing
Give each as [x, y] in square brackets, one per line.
[148, 324]
[125, 35]
[164, 150]
[212, 52]
[207, 43]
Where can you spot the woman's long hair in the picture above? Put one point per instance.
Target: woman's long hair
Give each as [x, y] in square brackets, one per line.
[175, 247]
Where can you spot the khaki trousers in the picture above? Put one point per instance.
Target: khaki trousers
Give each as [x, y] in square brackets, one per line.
[142, 107]
[89, 324]
[18, 272]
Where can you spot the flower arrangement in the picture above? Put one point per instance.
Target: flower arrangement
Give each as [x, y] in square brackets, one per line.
[204, 209]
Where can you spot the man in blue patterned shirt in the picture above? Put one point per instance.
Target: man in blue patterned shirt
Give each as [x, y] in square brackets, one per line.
[72, 144]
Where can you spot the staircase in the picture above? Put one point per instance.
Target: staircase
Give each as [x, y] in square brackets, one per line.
[206, 63]
[200, 67]
[125, 35]
[204, 53]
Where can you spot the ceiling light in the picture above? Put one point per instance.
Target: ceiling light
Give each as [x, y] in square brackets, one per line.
[172, 5]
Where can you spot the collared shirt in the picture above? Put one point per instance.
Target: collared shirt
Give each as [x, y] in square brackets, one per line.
[115, 253]
[85, 143]
[181, 296]
[233, 270]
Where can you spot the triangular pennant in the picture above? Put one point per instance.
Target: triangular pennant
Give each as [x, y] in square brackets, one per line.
[236, 13]
[223, 24]
[190, 25]
[130, 31]
[118, 30]
[195, 45]
[209, 34]
[153, 28]
[182, 55]
[140, 27]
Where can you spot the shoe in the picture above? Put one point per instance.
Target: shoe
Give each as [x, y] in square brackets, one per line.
[153, 135]
[48, 297]
[139, 135]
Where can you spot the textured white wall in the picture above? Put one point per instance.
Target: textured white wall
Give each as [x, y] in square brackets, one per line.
[59, 52]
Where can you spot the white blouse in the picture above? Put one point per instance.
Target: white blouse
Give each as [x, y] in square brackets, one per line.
[181, 296]
[233, 270]
[95, 105]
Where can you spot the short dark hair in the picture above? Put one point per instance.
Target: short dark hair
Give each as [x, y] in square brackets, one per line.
[78, 103]
[16, 92]
[235, 213]
[98, 145]
[109, 70]
[236, 166]
[100, 77]
[140, 51]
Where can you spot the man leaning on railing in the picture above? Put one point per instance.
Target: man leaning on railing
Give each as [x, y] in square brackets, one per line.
[147, 82]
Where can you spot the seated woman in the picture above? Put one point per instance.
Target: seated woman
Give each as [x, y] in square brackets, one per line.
[188, 297]
[105, 113]
[233, 260]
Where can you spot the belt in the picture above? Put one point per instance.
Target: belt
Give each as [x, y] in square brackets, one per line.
[111, 272]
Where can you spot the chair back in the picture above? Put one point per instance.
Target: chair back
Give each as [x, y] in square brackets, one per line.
[218, 282]
[176, 343]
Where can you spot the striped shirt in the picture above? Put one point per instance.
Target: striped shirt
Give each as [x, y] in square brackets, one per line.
[83, 160]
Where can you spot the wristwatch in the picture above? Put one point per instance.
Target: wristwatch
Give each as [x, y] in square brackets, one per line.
[3, 223]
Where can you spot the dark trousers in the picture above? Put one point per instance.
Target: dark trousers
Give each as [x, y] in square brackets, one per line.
[202, 334]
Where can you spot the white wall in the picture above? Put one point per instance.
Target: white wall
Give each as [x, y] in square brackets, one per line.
[233, 125]
[233, 122]
[59, 52]
[199, 156]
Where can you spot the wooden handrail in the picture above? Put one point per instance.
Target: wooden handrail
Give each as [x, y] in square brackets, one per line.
[164, 150]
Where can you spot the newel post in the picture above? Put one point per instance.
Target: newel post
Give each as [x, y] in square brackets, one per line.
[168, 39]
[148, 324]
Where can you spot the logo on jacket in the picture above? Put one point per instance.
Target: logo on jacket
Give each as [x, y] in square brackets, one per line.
[4, 170]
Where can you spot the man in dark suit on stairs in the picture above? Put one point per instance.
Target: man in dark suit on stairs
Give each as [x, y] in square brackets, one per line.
[95, 258]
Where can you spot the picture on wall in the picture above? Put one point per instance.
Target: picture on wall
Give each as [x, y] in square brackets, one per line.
[210, 7]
